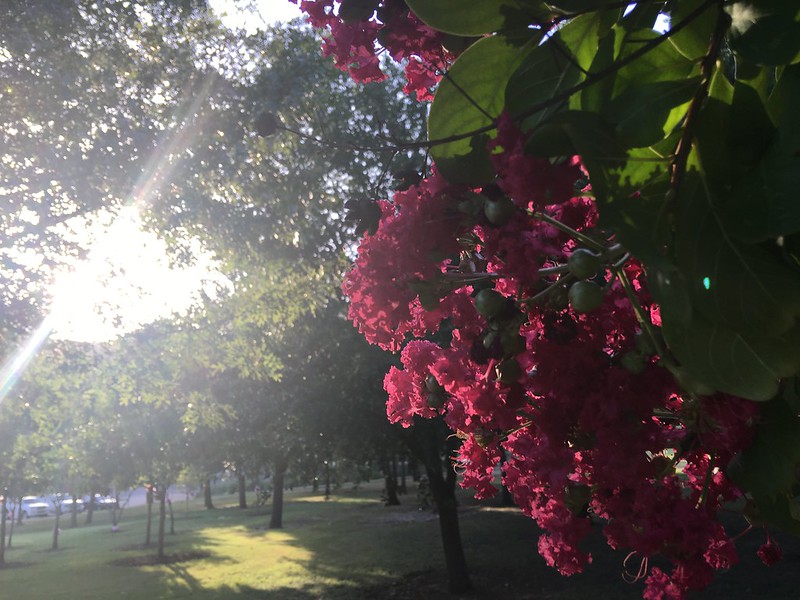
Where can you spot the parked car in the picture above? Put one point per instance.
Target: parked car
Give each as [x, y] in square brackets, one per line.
[66, 504]
[35, 506]
[101, 502]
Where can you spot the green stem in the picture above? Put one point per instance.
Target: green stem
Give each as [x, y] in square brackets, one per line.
[583, 238]
[535, 299]
[707, 481]
[641, 316]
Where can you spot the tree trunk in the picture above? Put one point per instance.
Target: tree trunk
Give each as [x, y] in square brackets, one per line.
[327, 480]
[443, 490]
[430, 442]
[403, 489]
[242, 494]
[391, 484]
[11, 525]
[56, 530]
[276, 519]
[149, 515]
[73, 519]
[90, 510]
[162, 519]
[207, 494]
[3, 509]
[19, 511]
[171, 517]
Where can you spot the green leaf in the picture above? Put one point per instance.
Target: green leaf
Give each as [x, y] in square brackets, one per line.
[692, 41]
[542, 75]
[479, 78]
[767, 469]
[574, 6]
[763, 204]
[642, 112]
[743, 365]
[476, 17]
[631, 196]
[784, 99]
[575, 132]
[765, 32]
[738, 286]
[581, 37]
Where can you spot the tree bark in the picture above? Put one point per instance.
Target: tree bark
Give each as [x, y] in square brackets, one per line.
[171, 517]
[430, 443]
[73, 518]
[90, 510]
[3, 509]
[403, 489]
[11, 525]
[391, 484]
[443, 490]
[242, 494]
[149, 515]
[207, 494]
[56, 530]
[162, 519]
[278, 477]
[327, 480]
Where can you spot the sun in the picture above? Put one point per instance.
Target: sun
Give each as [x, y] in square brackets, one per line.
[125, 282]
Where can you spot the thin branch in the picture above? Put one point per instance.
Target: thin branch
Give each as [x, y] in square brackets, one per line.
[684, 147]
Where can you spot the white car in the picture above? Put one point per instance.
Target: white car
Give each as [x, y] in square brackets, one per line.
[34, 506]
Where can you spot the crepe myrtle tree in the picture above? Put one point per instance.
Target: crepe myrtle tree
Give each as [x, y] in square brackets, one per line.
[608, 230]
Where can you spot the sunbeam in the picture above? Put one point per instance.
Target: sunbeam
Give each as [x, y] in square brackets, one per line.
[159, 168]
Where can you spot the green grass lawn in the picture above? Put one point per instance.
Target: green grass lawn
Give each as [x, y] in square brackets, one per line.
[351, 547]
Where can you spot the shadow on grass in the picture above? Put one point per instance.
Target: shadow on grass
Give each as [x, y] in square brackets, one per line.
[362, 551]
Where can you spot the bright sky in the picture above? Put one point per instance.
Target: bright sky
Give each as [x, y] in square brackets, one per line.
[126, 280]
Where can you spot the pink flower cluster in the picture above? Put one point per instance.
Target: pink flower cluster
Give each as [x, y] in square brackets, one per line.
[356, 46]
[591, 443]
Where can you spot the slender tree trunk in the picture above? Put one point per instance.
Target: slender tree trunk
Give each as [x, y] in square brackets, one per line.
[391, 484]
[149, 515]
[3, 515]
[432, 446]
[73, 518]
[276, 519]
[162, 519]
[90, 510]
[327, 480]
[11, 525]
[403, 489]
[443, 490]
[171, 517]
[207, 494]
[242, 492]
[19, 511]
[56, 530]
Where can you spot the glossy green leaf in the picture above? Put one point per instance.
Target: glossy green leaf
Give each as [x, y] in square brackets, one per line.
[540, 77]
[468, 99]
[632, 198]
[641, 113]
[741, 287]
[476, 17]
[744, 365]
[692, 41]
